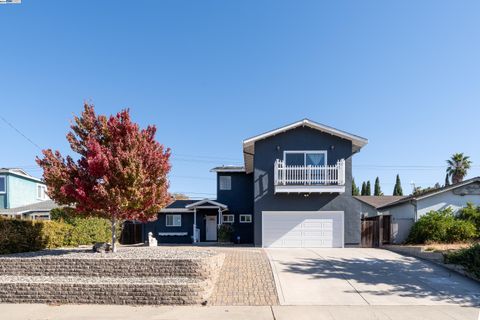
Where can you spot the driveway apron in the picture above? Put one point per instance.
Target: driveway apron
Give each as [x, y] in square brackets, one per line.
[355, 276]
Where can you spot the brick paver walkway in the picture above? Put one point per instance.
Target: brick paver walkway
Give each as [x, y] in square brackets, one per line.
[245, 279]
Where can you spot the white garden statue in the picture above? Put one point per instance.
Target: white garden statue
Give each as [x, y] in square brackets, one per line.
[152, 241]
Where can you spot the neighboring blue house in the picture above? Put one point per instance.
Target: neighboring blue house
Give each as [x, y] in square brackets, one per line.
[23, 196]
[294, 190]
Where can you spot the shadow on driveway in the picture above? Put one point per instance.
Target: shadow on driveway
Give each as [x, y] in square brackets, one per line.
[393, 276]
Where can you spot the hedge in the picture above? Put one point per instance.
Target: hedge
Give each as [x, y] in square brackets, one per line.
[30, 235]
[441, 226]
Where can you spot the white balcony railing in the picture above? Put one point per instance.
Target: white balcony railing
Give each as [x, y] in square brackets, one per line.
[309, 175]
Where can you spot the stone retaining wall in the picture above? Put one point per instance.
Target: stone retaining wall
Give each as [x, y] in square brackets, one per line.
[130, 294]
[202, 268]
[108, 280]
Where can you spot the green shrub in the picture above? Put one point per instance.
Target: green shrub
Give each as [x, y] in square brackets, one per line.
[441, 226]
[225, 233]
[86, 230]
[89, 231]
[471, 213]
[468, 258]
[28, 235]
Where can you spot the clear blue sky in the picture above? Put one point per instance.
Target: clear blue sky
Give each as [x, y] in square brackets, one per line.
[404, 74]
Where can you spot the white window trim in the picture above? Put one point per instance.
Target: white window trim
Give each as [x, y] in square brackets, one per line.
[4, 184]
[228, 215]
[220, 184]
[244, 216]
[44, 192]
[324, 152]
[173, 219]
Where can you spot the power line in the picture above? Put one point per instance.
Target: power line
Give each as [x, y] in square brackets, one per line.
[20, 132]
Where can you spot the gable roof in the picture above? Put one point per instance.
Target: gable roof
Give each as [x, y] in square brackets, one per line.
[206, 201]
[432, 192]
[20, 173]
[378, 201]
[249, 144]
[189, 205]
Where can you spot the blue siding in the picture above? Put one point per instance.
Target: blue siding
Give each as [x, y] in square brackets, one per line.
[239, 201]
[303, 138]
[159, 225]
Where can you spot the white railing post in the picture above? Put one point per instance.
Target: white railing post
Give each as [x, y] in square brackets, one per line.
[275, 172]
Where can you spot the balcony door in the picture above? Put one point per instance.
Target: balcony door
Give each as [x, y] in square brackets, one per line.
[305, 158]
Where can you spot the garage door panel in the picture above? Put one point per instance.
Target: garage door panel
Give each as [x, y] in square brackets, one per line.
[296, 229]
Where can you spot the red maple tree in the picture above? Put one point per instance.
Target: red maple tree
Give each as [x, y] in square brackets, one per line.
[120, 174]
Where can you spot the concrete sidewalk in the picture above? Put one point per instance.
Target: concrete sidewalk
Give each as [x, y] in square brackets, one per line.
[98, 312]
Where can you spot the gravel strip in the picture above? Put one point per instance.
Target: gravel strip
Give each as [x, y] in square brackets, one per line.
[154, 253]
[98, 280]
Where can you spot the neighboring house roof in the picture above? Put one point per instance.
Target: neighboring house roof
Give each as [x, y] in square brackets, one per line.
[432, 192]
[189, 205]
[21, 173]
[42, 206]
[228, 169]
[378, 201]
[249, 144]
[177, 204]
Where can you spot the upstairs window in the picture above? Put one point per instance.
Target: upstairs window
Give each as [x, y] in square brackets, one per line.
[305, 158]
[41, 192]
[225, 183]
[3, 185]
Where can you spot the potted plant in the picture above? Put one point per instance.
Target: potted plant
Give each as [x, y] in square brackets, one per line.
[225, 233]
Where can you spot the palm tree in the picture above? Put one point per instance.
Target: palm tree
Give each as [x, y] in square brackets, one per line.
[458, 166]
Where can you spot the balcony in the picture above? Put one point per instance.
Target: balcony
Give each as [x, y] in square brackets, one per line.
[309, 179]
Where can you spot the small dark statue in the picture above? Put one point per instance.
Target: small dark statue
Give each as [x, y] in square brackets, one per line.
[102, 247]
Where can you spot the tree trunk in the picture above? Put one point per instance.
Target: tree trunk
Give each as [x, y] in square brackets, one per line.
[114, 235]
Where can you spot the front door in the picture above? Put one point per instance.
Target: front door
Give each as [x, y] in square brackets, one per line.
[211, 226]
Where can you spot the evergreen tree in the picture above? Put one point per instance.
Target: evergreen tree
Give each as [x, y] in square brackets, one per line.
[397, 190]
[377, 190]
[368, 189]
[364, 189]
[355, 190]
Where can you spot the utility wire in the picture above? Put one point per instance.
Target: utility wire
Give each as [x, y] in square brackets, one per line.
[20, 132]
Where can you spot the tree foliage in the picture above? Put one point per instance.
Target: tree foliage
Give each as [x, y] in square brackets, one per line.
[121, 171]
[368, 189]
[377, 189]
[355, 190]
[397, 190]
[364, 189]
[458, 166]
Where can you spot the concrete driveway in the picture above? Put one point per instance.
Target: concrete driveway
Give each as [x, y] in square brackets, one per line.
[354, 276]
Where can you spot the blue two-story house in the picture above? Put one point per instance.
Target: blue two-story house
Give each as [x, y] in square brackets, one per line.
[294, 190]
[23, 196]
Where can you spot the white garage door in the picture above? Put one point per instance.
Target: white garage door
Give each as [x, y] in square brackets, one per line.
[302, 229]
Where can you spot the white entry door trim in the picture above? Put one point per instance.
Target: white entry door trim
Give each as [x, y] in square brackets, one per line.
[303, 229]
[211, 228]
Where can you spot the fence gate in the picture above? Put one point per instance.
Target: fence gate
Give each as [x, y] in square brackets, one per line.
[376, 231]
[370, 232]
